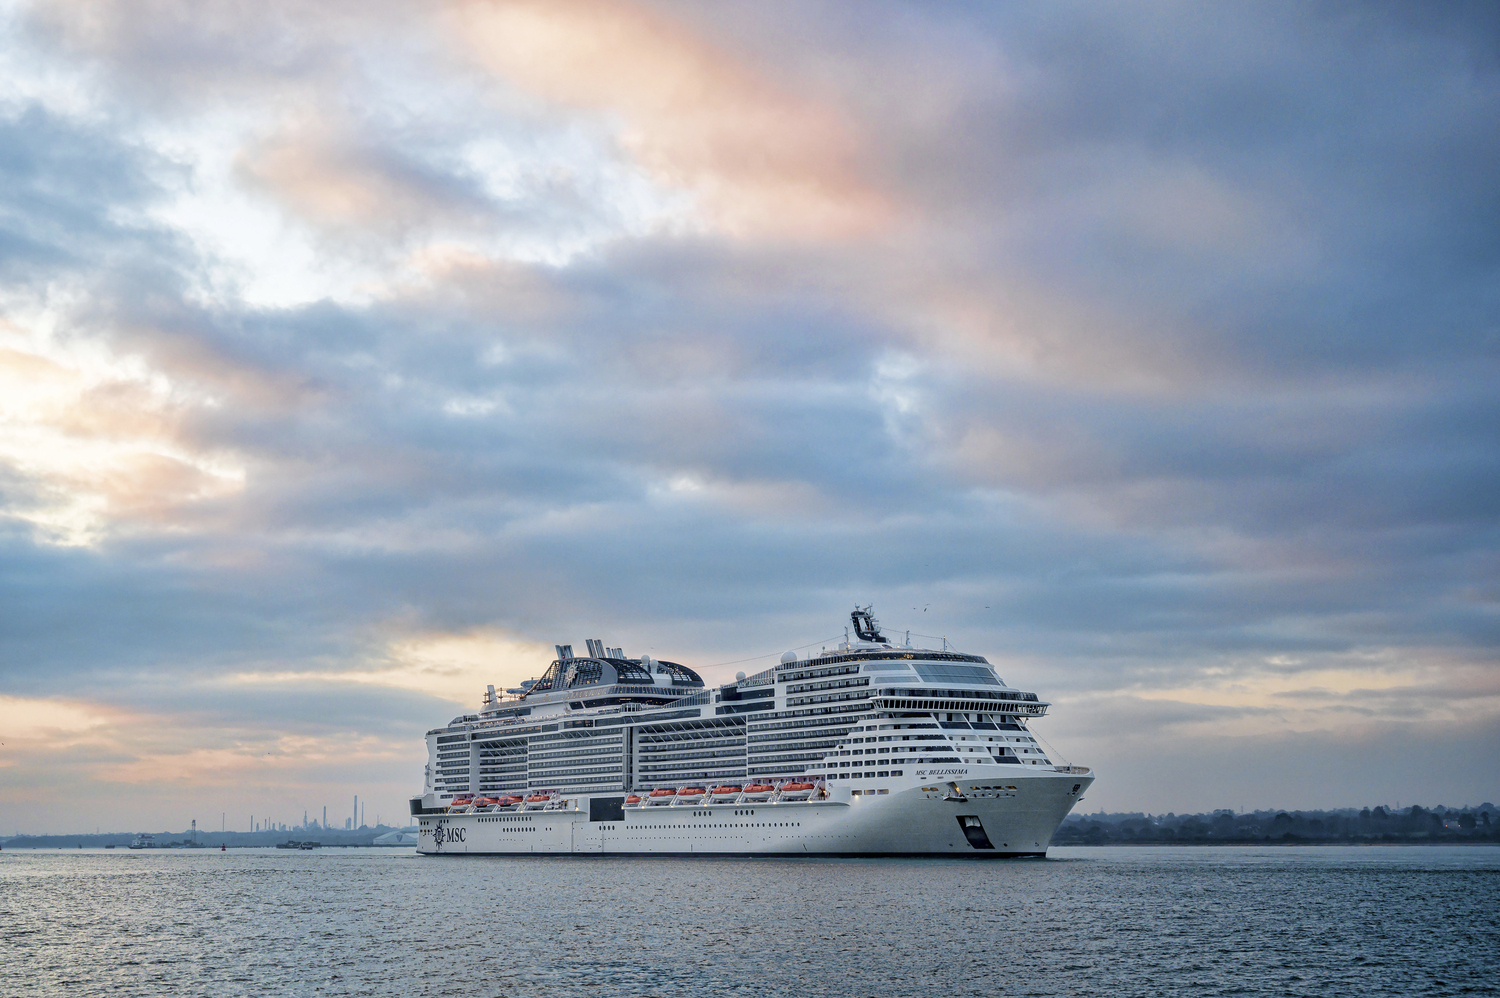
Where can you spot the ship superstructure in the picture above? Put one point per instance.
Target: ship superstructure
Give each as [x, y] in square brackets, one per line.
[873, 747]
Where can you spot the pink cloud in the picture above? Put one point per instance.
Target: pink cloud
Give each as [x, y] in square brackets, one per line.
[763, 160]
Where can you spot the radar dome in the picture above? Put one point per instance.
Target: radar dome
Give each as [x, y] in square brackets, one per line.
[739, 677]
[646, 662]
[789, 658]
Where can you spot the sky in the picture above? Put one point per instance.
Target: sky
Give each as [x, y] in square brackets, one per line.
[353, 354]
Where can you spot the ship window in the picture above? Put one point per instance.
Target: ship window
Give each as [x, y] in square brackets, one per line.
[953, 673]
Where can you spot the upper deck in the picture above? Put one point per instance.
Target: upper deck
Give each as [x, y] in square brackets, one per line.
[893, 678]
[867, 709]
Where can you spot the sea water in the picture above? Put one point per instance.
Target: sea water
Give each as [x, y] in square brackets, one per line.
[1191, 921]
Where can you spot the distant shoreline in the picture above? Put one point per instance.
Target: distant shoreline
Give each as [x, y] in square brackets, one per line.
[1198, 843]
[207, 840]
[1379, 825]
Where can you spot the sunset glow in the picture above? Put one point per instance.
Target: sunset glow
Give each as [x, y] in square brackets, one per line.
[353, 355]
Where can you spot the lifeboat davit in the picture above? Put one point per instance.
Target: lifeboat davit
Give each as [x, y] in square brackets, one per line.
[508, 801]
[536, 802]
[634, 800]
[460, 804]
[483, 803]
[660, 796]
[796, 791]
[725, 793]
[690, 795]
[758, 791]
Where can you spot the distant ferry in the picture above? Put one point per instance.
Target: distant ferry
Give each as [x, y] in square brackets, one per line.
[874, 748]
[143, 841]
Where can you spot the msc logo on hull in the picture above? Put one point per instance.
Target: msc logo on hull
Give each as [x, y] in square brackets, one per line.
[441, 834]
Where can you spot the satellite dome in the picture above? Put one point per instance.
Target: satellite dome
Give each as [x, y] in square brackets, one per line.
[789, 658]
[646, 662]
[739, 677]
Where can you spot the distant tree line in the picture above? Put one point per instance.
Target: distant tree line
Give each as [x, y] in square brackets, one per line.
[1225, 827]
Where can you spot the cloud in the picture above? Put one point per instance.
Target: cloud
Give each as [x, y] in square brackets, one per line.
[100, 443]
[25, 719]
[179, 52]
[763, 160]
[352, 357]
[326, 176]
[451, 665]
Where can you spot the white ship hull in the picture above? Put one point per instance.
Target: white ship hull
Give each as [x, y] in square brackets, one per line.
[978, 811]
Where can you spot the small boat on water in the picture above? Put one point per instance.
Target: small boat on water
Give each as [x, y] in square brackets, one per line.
[145, 840]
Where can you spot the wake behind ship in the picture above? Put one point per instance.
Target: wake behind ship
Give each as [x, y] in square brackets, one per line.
[870, 749]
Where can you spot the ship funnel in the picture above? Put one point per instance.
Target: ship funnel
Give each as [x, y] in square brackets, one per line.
[866, 626]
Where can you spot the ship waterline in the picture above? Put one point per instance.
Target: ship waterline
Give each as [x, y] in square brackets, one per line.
[870, 749]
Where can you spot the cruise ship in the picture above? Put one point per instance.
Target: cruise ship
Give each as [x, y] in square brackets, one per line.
[873, 748]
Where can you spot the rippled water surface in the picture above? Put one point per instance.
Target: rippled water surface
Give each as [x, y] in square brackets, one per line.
[1087, 921]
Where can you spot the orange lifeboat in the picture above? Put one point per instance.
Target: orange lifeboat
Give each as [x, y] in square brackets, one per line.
[758, 791]
[634, 800]
[538, 799]
[796, 791]
[661, 795]
[480, 802]
[507, 801]
[689, 795]
[727, 793]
